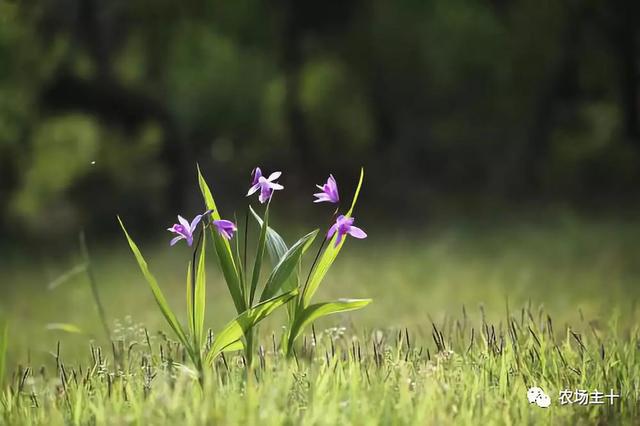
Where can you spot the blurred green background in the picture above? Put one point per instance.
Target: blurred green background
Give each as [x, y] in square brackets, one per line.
[501, 141]
[447, 103]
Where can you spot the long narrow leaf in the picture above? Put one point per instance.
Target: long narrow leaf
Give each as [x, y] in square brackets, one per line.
[190, 315]
[257, 266]
[157, 293]
[238, 345]
[244, 291]
[315, 311]
[223, 250]
[355, 195]
[329, 255]
[234, 330]
[287, 265]
[200, 296]
[277, 249]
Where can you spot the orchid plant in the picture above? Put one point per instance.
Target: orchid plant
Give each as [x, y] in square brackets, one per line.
[282, 286]
[301, 312]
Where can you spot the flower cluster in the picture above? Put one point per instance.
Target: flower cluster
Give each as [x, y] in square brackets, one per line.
[266, 186]
[185, 230]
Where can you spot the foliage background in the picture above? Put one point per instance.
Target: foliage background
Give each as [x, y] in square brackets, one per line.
[449, 104]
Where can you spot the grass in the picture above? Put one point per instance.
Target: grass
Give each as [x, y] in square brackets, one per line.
[464, 319]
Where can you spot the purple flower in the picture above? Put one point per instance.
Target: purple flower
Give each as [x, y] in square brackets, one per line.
[185, 230]
[225, 228]
[265, 185]
[329, 192]
[343, 226]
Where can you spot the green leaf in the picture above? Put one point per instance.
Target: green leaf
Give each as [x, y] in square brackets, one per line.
[259, 255]
[234, 330]
[275, 244]
[157, 293]
[66, 327]
[288, 263]
[200, 296]
[223, 250]
[4, 344]
[355, 195]
[329, 255]
[238, 345]
[190, 298]
[277, 249]
[315, 311]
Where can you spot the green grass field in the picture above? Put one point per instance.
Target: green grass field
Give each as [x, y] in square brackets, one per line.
[465, 318]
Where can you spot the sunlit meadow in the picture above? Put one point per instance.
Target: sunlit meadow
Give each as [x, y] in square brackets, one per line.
[227, 321]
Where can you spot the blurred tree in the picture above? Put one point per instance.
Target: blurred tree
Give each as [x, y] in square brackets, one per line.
[442, 98]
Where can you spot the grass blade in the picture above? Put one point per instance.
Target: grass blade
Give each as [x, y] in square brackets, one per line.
[315, 311]
[67, 276]
[66, 327]
[237, 328]
[329, 255]
[287, 265]
[223, 250]
[157, 293]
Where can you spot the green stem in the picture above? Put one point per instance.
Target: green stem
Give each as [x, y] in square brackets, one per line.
[93, 284]
[248, 348]
[300, 298]
[196, 339]
[315, 261]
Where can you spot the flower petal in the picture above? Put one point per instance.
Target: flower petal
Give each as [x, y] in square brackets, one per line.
[275, 186]
[339, 239]
[225, 224]
[184, 222]
[273, 176]
[356, 232]
[175, 240]
[255, 175]
[196, 220]
[322, 197]
[253, 189]
[265, 193]
[332, 231]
